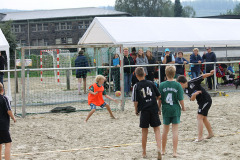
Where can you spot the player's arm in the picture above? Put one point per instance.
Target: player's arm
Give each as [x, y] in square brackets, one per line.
[11, 115]
[107, 96]
[159, 106]
[91, 92]
[208, 74]
[136, 108]
[182, 104]
[194, 95]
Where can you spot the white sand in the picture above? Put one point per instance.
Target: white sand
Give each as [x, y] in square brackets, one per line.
[43, 136]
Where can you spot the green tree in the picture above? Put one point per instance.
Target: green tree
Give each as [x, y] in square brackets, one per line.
[178, 9]
[188, 11]
[6, 29]
[146, 8]
[236, 10]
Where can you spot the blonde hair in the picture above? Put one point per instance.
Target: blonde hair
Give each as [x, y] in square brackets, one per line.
[142, 53]
[196, 49]
[139, 71]
[170, 71]
[125, 48]
[1, 87]
[99, 77]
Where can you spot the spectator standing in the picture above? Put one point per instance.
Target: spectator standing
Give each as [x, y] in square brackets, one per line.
[167, 58]
[142, 60]
[195, 58]
[81, 61]
[210, 57]
[2, 63]
[128, 72]
[180, 60]
[151, 70]
[116, 72]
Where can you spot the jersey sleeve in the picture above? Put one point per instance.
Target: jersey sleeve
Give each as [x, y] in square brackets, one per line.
[104, 92]
[134, 94]
[180, 92]
[91, 89]
[7, 103]
[197, 80]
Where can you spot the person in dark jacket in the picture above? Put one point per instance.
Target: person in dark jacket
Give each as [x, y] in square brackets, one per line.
[2, 63]
[180, 60]
[195, 58]
[81, 61]
[151, 70]
[128, 72]
[209, 57]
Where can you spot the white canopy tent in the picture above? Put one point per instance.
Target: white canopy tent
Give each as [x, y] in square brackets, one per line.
[4, 46]
[162, 31]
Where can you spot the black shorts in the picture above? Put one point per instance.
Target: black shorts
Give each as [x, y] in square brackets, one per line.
[5, 137]
[149, 117]
[204, 108]
[81, 75]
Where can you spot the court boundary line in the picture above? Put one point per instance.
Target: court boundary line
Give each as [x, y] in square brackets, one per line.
[112, 146]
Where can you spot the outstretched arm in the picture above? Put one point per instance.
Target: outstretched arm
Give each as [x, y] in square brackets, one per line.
[208, 74]
[107, 96]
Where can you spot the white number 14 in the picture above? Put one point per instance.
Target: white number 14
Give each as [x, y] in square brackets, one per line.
[149, 92]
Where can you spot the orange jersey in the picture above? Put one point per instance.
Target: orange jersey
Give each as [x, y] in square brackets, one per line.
[98, 98]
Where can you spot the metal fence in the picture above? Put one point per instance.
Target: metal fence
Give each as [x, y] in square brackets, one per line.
[51, 80]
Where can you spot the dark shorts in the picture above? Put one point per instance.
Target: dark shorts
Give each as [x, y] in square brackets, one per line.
[204, 108]
[149, 118]
[93, 106]
[5, 137]
[81, 75]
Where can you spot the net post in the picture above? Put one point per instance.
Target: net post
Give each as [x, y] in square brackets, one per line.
[15, 91]
[215, 79]
[23, 83]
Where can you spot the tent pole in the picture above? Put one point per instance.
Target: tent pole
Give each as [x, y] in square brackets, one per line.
[226, 53]
[122, 78]
[15, 77]
[9, 80]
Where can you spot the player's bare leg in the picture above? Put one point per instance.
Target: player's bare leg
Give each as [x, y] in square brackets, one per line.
[200, 127]
[175, 139]
[79, 85]
[209, 128]
[7, 151]
[144, 141]
[109, 110]
[84, 85]
[90, 114]
[158, 140]
[164, 138]
[0, 151]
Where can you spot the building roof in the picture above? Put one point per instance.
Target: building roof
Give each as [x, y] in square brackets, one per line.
[60, 13]
[162, 31]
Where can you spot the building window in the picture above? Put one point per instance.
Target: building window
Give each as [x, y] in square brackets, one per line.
[21, 43]
[39, 27]
[39, 42]
[63, 26]
[84, 24]
[58, 41]
[69, 40]
[17, 28]
[63, 40]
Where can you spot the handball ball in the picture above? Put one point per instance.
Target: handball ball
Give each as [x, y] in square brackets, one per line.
[117, 93]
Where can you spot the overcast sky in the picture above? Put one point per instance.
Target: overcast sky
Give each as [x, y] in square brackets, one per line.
[52, 4]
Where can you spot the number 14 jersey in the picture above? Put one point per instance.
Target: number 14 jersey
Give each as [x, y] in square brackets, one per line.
[145, 93]
[171, 94]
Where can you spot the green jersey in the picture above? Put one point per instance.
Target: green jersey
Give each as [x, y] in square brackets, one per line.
[171, 94]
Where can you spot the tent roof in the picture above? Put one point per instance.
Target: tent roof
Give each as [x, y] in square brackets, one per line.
[162, 31]
[3, 42]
